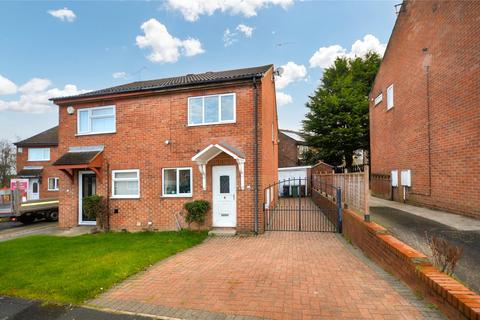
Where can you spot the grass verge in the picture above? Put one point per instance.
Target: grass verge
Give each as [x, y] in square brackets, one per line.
[75, 269]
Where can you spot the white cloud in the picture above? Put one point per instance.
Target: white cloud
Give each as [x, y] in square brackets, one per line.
[370, 43]
[291, 72]
[7, 86]
[192, 47]
[35, 85]
[325, 56]
[119, 75]
[230, 37]
[193, 9]
[246, 30]
[35, 95]
[164, 46]
[64, 14]
[283, 99]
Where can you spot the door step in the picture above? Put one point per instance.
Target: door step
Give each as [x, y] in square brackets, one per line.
[223, 232]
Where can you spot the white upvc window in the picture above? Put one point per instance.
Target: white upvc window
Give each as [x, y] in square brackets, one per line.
[126, 184]
[390, 97]
[96, 120]
[177, 182]
[213, 109]
[53, 184]
[378, 99]
[38, 154]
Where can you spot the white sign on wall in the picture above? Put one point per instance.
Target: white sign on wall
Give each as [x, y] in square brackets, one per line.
[394, 177]
[406, 178]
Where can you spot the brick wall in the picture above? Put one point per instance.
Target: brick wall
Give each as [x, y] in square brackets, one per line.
[413, 267]
[288, 151]
[143, 124]
[445, 166]
[48, 170]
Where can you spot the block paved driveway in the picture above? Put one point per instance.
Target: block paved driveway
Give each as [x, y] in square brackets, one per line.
[278, 275]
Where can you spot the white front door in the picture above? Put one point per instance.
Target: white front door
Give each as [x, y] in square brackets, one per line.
[224, 196]
[87, 186]
[34, 189]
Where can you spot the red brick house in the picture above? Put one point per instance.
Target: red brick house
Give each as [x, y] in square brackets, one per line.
[35, 156]
[151, 146]
[291, 146]
[424, 110]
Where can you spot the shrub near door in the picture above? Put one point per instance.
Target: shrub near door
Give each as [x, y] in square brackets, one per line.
[196, 211]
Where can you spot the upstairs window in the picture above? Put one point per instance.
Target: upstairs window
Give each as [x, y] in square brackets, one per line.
[214, 109]
[38, 154]
[390, 97]
[96, 120]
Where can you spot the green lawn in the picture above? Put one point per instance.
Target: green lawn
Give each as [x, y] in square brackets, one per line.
[72, 270]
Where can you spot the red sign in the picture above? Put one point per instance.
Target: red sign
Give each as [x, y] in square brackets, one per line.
[19, 184]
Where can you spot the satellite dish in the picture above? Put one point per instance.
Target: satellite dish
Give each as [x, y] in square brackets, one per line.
[279, 71]
[70, 110]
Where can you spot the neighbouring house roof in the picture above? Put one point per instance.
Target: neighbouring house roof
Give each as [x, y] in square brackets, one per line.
[76, 158]
[29, 173]
[189, 80]
[46, 138]
[295, 135]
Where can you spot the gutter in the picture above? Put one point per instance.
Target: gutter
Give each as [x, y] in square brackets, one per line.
[255, 147]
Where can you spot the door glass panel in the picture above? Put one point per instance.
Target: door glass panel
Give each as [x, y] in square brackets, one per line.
[88, 189]
[224, 184]
[35, 187]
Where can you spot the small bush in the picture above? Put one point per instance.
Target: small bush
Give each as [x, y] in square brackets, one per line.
[445, 255]
[196, 211]
[96, 207]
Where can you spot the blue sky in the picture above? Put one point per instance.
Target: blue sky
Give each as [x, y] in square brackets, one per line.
[45, 52]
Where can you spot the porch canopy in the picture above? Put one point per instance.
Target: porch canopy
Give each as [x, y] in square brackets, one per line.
[30, 173]
[78, 160]
[214, 150]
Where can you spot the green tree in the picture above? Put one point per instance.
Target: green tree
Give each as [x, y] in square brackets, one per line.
[7, 162]
[337, 122]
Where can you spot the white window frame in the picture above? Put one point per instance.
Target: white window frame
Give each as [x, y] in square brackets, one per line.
[220, 95]
[55, 184]
[43, 159]
[130, 196]
[378, 99]
[89, 110]
[390, 92]
[178, 194]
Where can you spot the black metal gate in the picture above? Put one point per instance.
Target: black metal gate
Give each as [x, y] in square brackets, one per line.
[296, 205]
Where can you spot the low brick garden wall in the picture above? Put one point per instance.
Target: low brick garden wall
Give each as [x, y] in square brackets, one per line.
[413, 267]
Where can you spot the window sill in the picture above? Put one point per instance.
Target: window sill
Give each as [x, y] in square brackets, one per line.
[125, 197]
[93, 134]
[44, 160]
[166, 196]
[53, 189]
[211, 124]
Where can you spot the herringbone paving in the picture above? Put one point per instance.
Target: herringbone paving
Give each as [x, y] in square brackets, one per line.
[278, 275]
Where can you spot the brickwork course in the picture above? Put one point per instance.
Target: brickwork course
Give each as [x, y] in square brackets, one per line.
[277, 275]
[433, 128]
